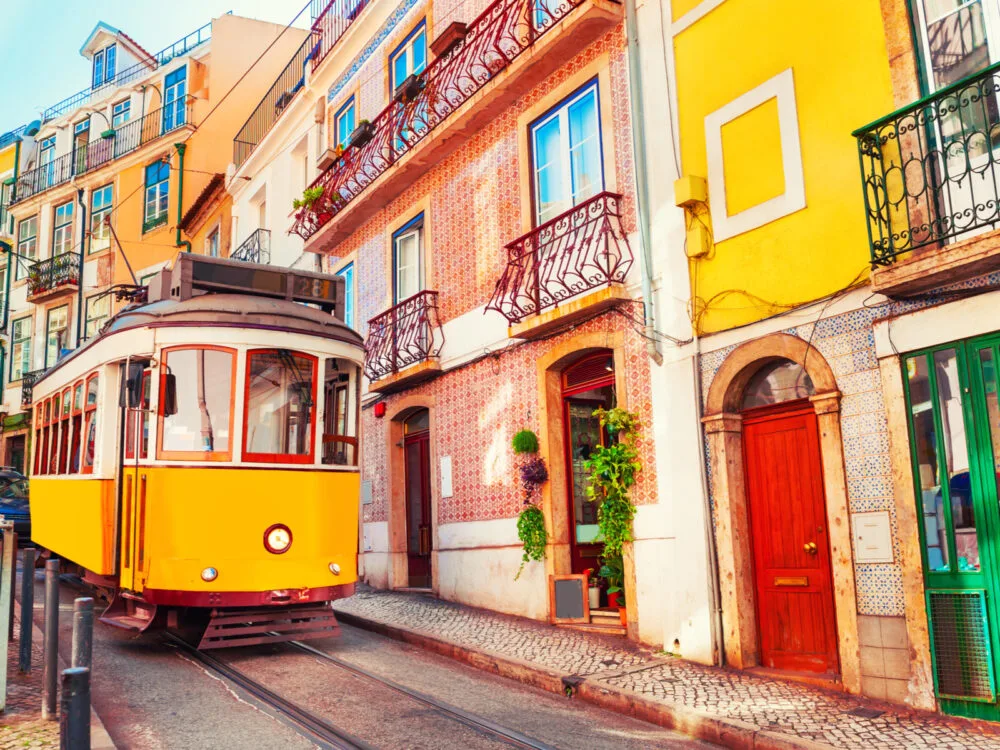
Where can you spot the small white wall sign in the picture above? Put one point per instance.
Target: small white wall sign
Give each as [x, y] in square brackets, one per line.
[366, 492]
[872, 537]
[446, 476]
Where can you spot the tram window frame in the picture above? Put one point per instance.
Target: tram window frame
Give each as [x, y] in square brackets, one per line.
[88, 459]
[196, 456]
[40, 438]
[53, 417]
[76, 423]
[65, 425]
[133, 436]
[280, 458]
[349, 390]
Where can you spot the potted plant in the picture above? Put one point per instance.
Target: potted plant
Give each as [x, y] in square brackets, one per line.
[613, 571]
[109, 133]
[409, 89]
[363, 133]
[309, 197]
[531, 521]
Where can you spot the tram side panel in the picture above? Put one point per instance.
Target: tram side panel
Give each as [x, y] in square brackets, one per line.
[75, 518]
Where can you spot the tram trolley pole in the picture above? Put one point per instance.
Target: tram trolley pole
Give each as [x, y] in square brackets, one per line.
[7, 561]
[74, 720]
[83, 631]
[27, 608]
[51, 640]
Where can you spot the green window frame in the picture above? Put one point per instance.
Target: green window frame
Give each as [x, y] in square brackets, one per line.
[20, 347]
[27, 246]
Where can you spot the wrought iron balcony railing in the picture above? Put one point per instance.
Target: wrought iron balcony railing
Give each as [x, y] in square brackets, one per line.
[931, 170]
[331, 24]
[28, 380]
[255, 249]
[404, 335]
[51, 274]
[579, 250]
[127, 75]
[126, 139]
[504, 31]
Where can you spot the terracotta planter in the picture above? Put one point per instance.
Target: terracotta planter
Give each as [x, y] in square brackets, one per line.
[613, 599]
[623, 616]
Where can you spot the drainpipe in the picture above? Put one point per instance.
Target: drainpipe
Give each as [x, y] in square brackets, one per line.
[641, 179]
[83, 254]
[181, 148]
[11, 260]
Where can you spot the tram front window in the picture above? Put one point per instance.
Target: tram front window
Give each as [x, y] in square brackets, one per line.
[202, 425]
[280, 406]
[340, 421]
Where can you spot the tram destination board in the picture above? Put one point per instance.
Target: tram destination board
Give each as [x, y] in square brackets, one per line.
[194, 273]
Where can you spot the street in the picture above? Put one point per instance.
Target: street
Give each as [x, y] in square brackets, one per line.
[151, 695]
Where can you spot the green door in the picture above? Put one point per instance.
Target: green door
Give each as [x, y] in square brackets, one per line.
[955, 450]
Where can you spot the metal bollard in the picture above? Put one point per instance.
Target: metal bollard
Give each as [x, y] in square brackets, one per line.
[13, 585]
[74, 722]
[27, 607]
[51, 674]
[83, 631]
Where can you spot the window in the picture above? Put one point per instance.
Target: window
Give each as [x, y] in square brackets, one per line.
[3, 297]
[77, 429]
[566, 155]
[104, 65]
[407, 260]
[90, 419]
[38, 441]
[212, 243]
[64, 430]
[340, 418]
[100, 209]
[140, 419]
[98, 78]
[409, 58]
[279, 416]
[20, 348]
[347, 274]
[120, 113]
[202, 427]
[62, 229]
[157, 195]
[98, 311]
[344, 123]
[81, 137]
[56, 333]
[27, 246]
[174, 99]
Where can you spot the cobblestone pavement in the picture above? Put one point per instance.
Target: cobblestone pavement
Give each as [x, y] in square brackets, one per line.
[21, 726]
[792, 709]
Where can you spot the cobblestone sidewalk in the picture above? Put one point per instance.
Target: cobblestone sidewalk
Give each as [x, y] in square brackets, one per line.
[793, 710]
[21, 726]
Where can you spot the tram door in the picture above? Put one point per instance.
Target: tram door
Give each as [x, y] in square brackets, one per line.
[133, 521]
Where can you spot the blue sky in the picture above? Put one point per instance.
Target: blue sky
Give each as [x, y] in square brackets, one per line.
[40, 55]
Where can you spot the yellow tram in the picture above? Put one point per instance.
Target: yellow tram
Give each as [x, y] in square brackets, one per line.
[199, 457]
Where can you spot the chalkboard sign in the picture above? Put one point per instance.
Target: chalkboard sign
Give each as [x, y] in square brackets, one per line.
[568, 600]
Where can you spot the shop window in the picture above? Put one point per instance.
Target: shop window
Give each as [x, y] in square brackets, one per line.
[340, 420]
[279, 416]
[201, 426]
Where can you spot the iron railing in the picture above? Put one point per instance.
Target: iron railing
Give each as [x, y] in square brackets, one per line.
[181, 47]
[332, 24]
[505, 30]
[255, 249]
[579, 250]
[47, 275]
[931, 170]
[126, 139]
[403, 335]
[262, 119]
[28, 380]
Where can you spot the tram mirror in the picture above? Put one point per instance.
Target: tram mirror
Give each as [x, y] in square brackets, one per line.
[131, 395]
[169, 397]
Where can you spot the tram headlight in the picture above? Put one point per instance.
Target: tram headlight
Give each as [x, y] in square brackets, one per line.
[278, 538]
[209, 574]
[335, 569]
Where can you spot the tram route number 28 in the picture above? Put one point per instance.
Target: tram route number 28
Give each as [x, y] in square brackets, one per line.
[315, 288]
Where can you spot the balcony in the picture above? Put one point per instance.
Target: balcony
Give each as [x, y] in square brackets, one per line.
[126, 139]
[931, 180]
[403, 344]
[570, 267]
[255, 249]
[28, 380]
[503, 54]
[54, 276]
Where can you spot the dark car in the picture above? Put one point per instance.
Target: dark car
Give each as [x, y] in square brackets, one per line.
[14, 507]
[8, 475]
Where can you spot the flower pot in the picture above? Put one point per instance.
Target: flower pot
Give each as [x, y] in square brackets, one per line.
[623, 616]
[452, 35]
[363, 133]
[109, 133]
[613, 599]
[594, 592]
[408, 90]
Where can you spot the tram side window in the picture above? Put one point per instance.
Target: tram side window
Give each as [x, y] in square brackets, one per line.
[280, 407]
[90, 420]
[53, 439]
[39, 438]
[201, 426]
[64, 430]
[340, 420]
[74, 453]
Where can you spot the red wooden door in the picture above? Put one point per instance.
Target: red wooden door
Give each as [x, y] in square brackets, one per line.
[418, 508]
[791, 549]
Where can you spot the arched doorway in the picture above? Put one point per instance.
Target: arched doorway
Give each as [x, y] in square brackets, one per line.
[793, 582]
[587, 384]
[417, 488]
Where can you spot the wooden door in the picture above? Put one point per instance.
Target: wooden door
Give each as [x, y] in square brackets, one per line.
[791, 550]
[418, 508]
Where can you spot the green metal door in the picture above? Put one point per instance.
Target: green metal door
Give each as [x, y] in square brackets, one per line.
[955, 449]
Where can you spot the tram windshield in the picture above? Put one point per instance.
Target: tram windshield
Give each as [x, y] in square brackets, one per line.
[201, 427]
[280, 406]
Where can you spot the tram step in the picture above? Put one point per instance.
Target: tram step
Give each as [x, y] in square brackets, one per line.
[249, 627]
[128, 612]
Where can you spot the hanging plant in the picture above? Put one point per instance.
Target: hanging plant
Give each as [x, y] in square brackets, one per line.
[531, 532]
[613, 469]
[309, 196]
[525, 441]
[534, 473]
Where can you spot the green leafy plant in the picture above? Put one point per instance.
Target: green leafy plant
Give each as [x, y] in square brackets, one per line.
[531, 532]
[309, 196]
[525, 441]
[613, 470]
[613, 571]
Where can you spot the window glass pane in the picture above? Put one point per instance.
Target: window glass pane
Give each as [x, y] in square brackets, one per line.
[419, 46]
[98, 311]
[399, 69]
[585, 148]
[407, 265]
[776, 383]
[88, 454]
[956, 39]
[340, 421]
[92, 392]
[928, 466]
[991, 382]
[280, 399]
[56, 330]
[551, 193]
[204, 380]
[109, 62]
